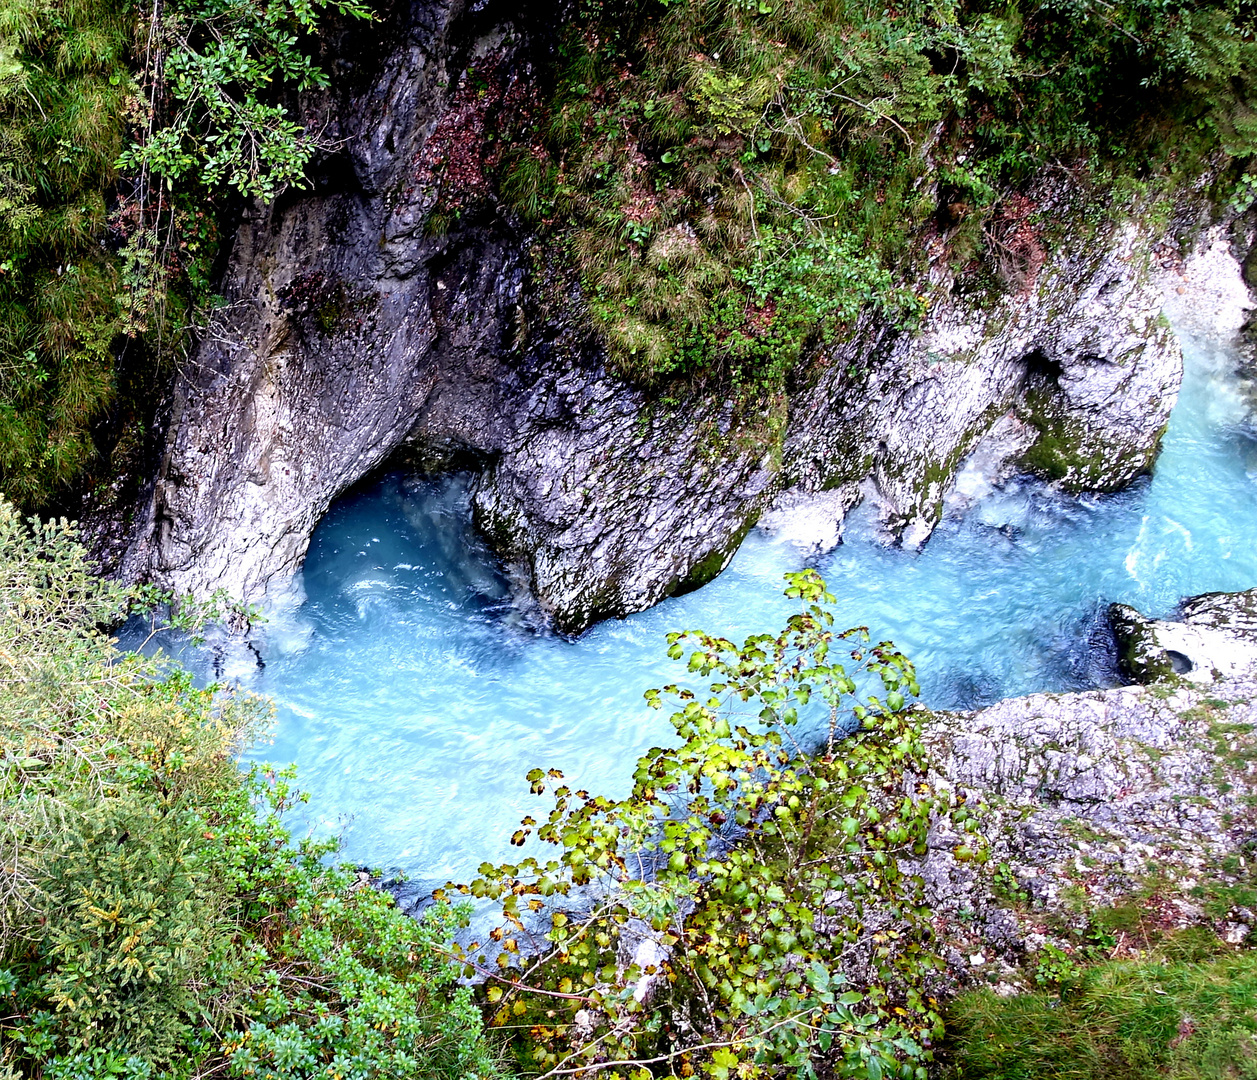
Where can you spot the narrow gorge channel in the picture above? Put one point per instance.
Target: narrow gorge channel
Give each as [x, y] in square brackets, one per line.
[412, 417]
[413, 693]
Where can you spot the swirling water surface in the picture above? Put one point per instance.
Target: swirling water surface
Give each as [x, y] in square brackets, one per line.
[413, 698]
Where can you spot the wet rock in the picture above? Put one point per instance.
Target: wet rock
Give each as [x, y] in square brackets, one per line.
[357, 334]
[1073, 379]
[1215, 637]
[1141, 658]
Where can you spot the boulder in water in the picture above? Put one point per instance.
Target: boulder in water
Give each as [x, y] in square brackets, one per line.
[1215, 637]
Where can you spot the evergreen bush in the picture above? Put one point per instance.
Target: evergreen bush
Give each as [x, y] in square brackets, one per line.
[156, 917]
[124, 129]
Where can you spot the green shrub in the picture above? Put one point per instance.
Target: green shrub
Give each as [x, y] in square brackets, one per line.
[748, 871]
[63, 80]
[159, 112]
[156, 916]
[735, 179]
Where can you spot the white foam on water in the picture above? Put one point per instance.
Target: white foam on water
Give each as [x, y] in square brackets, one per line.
[811, 522]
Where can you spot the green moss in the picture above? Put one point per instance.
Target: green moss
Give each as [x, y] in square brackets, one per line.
[710, 567]
[1231, 744]
[1056, 456]
[736, 181]
[329, 317]
[1060, 452]
[1140, 657]
[938, 474]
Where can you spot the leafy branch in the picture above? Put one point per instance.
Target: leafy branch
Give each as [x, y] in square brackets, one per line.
[715, 916]
[210, 116]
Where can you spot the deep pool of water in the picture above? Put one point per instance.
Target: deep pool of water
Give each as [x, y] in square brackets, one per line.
[413, 698]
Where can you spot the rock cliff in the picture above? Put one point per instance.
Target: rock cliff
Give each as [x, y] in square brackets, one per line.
[394, 310]
[1138, 796]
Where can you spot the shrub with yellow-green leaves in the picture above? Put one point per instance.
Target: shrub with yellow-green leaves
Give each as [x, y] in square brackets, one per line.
[750, 909]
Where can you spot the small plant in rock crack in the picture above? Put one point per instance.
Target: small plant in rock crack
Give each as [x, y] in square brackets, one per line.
[1006, 885]
[749, 909]
[1055, 967]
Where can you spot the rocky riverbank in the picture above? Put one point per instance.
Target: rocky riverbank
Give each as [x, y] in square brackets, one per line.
[1215, 637]
[360, 331]
[1115, 813]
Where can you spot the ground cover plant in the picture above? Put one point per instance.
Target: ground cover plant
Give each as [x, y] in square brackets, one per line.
[1158, 1017]
[156, 917]
[737, 179]
[63, 80]
[749, 909]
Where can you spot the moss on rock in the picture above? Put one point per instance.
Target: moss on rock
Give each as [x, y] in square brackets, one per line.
[709, 568]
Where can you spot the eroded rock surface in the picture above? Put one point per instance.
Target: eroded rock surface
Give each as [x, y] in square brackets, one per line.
[1214, 637]
[343, 311]
[1073, 377]
[367, 319]
[1134, 795]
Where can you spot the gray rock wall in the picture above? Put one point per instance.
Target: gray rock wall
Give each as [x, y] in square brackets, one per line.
[1137, 796]
[365, 319]
[1074, 377]
[347, 319]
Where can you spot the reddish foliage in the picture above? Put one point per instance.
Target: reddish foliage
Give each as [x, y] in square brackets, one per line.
[1018, 244]
[459, 156]
[759, 317]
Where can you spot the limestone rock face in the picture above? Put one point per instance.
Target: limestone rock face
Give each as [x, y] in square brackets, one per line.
[1216, 637]
[365, 320]
[1073, 378]
[609, 502]
[348, 316]
[1101, 792]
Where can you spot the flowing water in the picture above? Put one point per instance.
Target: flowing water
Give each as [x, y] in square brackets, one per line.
[413, 698]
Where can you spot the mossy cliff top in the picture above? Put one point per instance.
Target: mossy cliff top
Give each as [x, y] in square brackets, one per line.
[736, 180]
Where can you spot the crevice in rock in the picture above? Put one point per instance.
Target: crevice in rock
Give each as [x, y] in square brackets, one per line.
[1042, 369]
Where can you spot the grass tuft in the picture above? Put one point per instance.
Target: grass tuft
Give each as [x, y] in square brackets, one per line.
[1161, 1018]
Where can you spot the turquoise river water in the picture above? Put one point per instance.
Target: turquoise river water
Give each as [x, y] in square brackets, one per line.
[413, 698]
